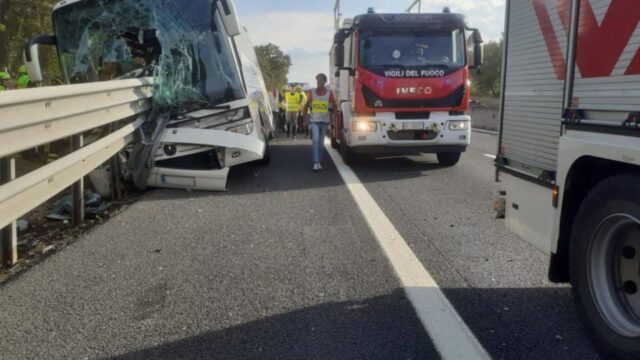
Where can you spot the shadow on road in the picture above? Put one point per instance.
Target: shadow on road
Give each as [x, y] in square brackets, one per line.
[290, 170]
[383, 327]
[395, 168]
[386, 327]
[524, 323]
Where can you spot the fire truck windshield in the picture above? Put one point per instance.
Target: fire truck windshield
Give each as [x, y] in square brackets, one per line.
[412, 50]
[181, 43]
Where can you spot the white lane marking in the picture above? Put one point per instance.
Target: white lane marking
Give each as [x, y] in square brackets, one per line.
[483, 131]
[490, 156]
[450, 335]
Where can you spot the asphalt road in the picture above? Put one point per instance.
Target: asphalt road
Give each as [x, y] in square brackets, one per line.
[496, 281]
[283, 266]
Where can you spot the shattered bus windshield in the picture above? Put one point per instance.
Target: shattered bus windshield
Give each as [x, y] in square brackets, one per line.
[182, 43]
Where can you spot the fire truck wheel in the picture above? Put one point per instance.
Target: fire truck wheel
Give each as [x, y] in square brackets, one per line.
[334, 142]
[448, 159]
[347, 153]
[604, 264]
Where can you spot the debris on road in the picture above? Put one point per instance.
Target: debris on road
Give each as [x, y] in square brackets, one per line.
[22, 225]
[39, 236]
[101, 180]
[47, 249]
[63, 208]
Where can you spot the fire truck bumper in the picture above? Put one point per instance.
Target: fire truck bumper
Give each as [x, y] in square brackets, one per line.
[383, 150]
[384, 134]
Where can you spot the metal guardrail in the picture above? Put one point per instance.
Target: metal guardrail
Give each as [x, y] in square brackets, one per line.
[34, 117]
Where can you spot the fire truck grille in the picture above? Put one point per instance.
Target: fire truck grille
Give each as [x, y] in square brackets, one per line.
[412, 135]
[454, 99]
[420, 115]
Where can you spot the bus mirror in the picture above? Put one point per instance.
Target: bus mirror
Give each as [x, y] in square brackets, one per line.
[229, 15]
[31, 59]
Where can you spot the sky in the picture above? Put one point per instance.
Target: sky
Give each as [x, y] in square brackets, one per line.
[304, 28]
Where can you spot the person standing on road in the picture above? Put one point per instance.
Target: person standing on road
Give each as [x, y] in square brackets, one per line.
[294, 105]
[303, 100]
[321, 101]
[23, 78]
[282, 108]
[4, 81]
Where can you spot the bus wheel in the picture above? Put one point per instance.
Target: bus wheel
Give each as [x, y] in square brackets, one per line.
[605, 265]
[266, 158]
[448, 159]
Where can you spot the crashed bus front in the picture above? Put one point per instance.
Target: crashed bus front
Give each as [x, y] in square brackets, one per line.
[210, 108]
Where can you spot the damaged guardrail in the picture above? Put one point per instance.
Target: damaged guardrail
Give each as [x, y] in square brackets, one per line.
[35, 117]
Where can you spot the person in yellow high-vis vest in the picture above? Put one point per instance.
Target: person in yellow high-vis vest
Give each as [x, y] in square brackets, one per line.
[320, 103]
[301, 123]
[4, 79]
[294, 106]
[282, 109]
[23, 81]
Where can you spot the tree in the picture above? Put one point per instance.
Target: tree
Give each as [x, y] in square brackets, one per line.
[274, 65]
[487, 82]
[19, 21]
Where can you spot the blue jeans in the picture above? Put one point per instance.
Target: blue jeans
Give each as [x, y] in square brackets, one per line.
[318, 131]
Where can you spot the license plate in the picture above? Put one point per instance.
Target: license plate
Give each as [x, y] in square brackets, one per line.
[413, 126]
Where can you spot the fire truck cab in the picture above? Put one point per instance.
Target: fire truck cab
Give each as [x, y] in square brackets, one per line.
[402, 83]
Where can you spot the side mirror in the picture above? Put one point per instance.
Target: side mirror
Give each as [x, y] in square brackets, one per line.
[477, 37]
[338, 53]
[478, 51]
[229, 16]
[338, 56]
[478, 55]
[31, 59]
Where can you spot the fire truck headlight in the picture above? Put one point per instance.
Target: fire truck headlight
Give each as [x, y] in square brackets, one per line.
[458, 125]
[363, 126]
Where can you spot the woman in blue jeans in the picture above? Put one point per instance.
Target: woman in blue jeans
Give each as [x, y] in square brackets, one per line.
[319, 101]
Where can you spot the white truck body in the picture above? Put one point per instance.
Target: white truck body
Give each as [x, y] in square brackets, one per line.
[568, 128]
[533, 140]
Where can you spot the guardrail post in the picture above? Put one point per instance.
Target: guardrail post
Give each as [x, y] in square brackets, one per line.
[8, 235]
[116, 189]
[78, 187]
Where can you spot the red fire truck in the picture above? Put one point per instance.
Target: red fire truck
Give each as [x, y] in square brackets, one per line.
[402, 82]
